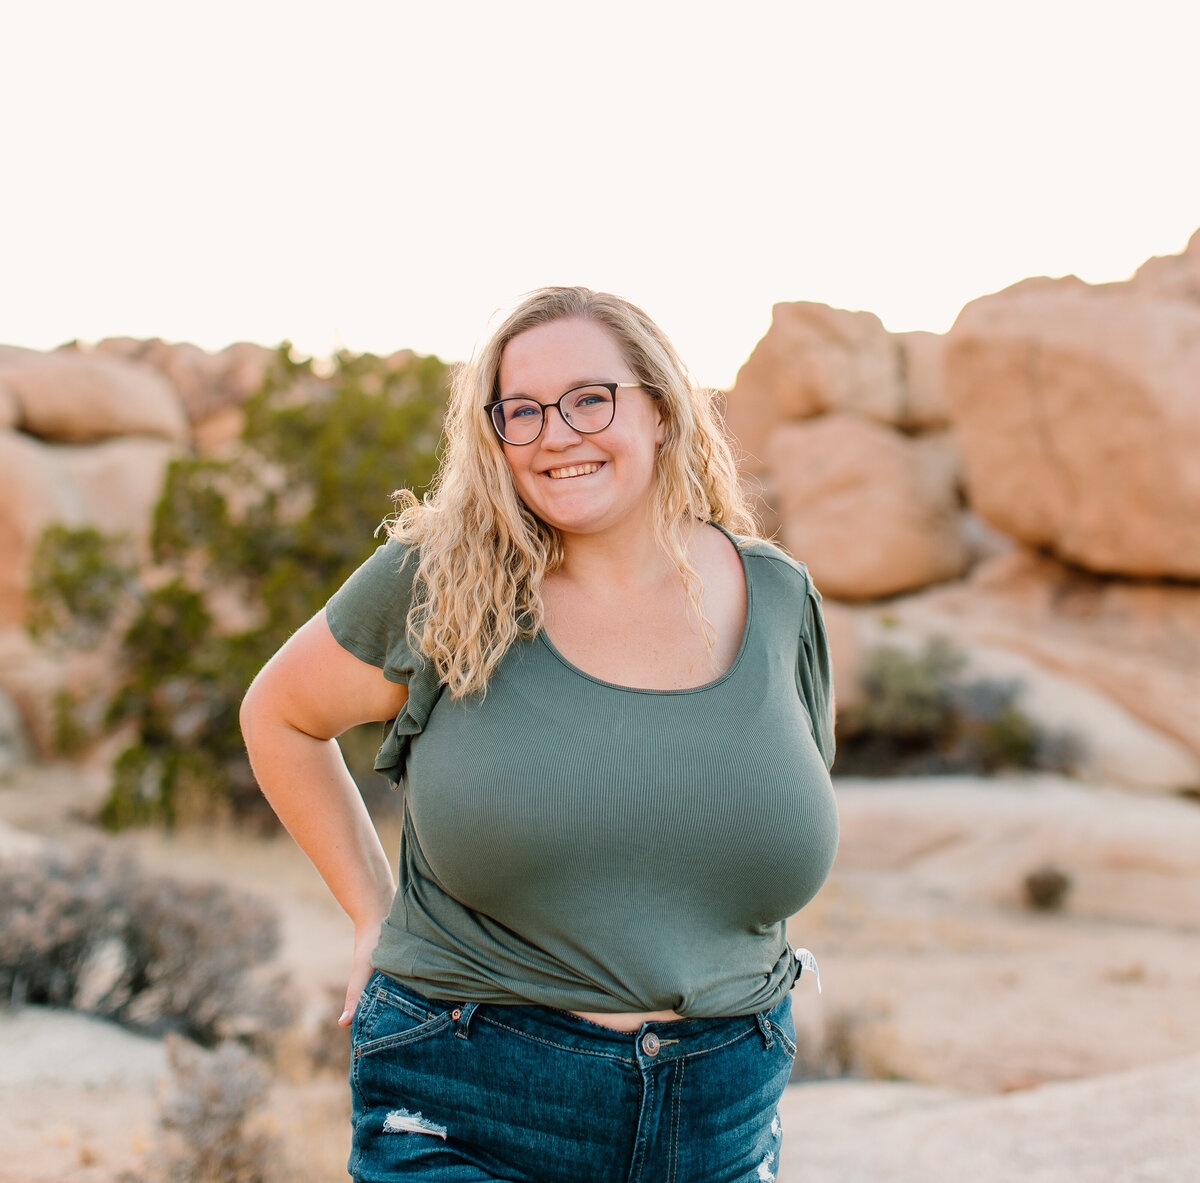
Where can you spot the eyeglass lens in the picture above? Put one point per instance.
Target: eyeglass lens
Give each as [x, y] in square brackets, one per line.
[519, 420]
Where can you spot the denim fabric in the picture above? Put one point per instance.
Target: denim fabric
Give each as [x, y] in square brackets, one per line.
[464, 1093]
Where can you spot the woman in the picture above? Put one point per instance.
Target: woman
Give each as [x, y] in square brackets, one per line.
[613, 718]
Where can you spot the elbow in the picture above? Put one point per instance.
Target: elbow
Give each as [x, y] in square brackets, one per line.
[248, 711]
[267, 711]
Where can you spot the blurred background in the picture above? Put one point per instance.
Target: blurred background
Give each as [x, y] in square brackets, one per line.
[943, 263]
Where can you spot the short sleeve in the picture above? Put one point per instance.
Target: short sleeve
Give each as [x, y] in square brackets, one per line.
[368, 616]
[814, 673]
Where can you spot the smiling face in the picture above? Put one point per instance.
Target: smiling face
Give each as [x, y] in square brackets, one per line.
[577, 483]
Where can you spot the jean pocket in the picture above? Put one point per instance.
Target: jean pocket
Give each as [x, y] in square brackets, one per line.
[391, 1016]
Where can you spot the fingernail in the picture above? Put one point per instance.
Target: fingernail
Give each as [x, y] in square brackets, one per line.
[344, 1016]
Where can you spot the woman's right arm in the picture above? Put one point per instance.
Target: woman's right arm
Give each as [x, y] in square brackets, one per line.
[310, 692]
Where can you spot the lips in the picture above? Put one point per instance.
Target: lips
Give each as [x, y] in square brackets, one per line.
[559, 474]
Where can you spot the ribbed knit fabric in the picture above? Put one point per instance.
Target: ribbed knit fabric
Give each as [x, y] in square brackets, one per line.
[592, 847]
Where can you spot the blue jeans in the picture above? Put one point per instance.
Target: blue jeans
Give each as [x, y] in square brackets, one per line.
[465, 1093]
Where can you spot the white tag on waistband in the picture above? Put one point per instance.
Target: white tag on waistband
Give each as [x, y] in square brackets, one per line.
[808, 963]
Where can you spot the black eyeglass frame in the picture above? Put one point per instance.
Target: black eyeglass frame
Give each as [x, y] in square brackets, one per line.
[611, 387]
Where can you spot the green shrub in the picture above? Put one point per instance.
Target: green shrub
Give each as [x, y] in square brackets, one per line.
[907, 698]
[1046, 888]
[245, 550]
[81, 579]
[920, 715]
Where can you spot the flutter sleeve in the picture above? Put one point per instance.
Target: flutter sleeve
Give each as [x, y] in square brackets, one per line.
[814, 673]
[368, 616]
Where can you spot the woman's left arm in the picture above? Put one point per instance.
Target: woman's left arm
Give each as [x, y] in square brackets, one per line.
[310, 692]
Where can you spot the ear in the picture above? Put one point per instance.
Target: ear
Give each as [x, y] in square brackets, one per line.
[660, 430]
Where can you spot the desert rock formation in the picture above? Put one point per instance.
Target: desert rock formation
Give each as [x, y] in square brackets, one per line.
[898, 531]
[1056, 519]
[205, 383]
[111, 484]
[827, 413]
[1028, 483]
[1077, 413]
[85, 440]
[74, 398]
[1059, 1045]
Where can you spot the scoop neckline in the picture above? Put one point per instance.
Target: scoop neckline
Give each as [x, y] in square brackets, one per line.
[728, 673]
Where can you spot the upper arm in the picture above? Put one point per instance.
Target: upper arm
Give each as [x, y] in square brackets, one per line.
[315, 685]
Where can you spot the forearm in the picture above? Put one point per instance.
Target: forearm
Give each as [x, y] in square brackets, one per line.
[307, 784]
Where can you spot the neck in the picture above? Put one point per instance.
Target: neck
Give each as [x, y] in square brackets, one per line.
[627, 559]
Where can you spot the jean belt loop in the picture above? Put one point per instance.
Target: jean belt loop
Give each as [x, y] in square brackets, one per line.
[764, 1026]
[462, 1018]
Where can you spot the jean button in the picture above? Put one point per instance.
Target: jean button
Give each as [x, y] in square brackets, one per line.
[650, 1043]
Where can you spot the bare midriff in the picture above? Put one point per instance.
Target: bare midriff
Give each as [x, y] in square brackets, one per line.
[627, 1022]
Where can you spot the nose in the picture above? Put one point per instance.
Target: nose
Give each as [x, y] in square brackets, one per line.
[556, 431]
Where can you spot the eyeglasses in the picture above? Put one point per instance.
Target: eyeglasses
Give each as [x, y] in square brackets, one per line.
[586, 409]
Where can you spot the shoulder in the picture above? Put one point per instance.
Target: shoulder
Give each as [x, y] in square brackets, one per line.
[368, 614]
[770, 565]
[396, 557]
[391, 568]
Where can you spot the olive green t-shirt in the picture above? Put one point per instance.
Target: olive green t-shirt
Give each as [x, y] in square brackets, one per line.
[577, 844]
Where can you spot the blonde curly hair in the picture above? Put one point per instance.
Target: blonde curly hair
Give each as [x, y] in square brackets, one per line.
[482, 555]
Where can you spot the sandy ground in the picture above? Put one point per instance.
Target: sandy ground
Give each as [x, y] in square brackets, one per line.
[1053, 1048]
[79, 1101]
[1136, 1127]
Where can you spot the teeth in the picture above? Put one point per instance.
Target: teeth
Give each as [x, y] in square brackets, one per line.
[557, 474]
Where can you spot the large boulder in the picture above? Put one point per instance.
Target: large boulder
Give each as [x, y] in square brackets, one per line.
[112, 485]
[871, 511]
[29, 502]
[815, 359]
[1076, 412]
[1173, 277]
[922, 358]
[817, 363]
[76, 398]
[10, 409]
[206, 383]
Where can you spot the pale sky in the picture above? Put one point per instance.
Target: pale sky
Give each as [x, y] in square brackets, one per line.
[379, 174]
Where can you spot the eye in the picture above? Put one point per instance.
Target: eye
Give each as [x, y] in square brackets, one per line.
[590, 398]
[522, 411]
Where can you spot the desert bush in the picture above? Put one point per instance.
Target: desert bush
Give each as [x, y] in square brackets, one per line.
[211, 1127]
[905, 698]
[82, 577]
[86, 928]
[919, 714]
[245, 549]
[1046, 888]
[831, 1053]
